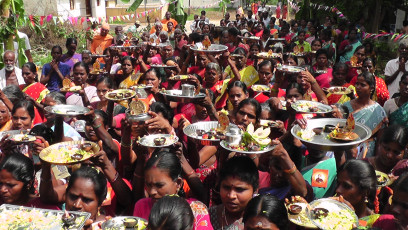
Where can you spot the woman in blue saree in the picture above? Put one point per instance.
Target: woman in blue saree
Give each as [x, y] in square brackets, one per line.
[366, 111]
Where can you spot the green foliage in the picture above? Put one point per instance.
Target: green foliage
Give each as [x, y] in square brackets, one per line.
[223, 5]
[134, 5]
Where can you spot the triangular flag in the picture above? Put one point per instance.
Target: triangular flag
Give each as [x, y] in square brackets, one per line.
[132, 15]
[42, 20]
[70, 20]
[127, 17]
[54, 18]
[49, 17]
[83, 20]
[143, 14]
[31, 17]
[100, 19]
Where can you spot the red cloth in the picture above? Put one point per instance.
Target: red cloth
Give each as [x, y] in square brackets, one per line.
[324, 79]
[196, 70]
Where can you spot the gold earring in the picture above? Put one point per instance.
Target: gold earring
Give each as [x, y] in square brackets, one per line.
[366, 199]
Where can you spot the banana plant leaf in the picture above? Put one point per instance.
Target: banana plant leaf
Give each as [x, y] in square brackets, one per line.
[134, 5]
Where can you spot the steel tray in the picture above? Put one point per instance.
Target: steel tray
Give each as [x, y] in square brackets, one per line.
[190, 131]
[175, 95]
[323, 142]
[67, 110]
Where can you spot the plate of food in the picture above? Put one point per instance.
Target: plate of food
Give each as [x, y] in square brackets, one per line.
[277, 39]
[303, 106]
[213, 48]
[210, 132]
[20, 217]
[67, 110]
[176, 95]
[297, 212]
[250, 141]
[72, 89]
[120, 94]
[382, 179]
[69, 152]
[260, 88]
[268, 123]
[125, 222]
[162, 66]
[22, 138]
[339, 90]
[290, 69]
[158, 140]
[316, 135]
[255, 38]
[268, 55]
[179, 78]
[328, 213]
[124, 48]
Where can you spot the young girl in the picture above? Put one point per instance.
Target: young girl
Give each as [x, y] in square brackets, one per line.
[162, 176]
[238, 181]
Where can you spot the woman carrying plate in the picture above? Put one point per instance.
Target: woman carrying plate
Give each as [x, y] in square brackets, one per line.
[312, 90]
[357, 183]
[237, 92]
[397, 108]
[161, 175]
[87, 94]
[126, 76]
[391, 148]
[18, 182]
[381, 94]
[213, 82]
[321, 69]
[365, 110]
[32, 87]
[339, 80]
[266, 70]
[248, 74]
[86, 190]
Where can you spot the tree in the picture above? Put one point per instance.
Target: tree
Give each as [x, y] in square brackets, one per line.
[12, 16]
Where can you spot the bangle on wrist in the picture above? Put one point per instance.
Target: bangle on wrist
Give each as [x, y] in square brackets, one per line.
[125, 145]
[137, 175]
[97, 126]
[116, 178]
[291, 170]
[190, 173]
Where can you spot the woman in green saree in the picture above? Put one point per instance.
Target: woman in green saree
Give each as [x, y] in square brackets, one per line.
[397, 108]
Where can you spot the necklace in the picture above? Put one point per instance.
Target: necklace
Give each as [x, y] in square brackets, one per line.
[225, 218]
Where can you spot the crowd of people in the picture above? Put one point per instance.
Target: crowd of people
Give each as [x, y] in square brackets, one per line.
[194, 186]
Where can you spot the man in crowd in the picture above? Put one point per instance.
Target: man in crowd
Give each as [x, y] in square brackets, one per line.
[158, 29]
[102, 40]
[168, 19]
[10, 74]
[395, 68]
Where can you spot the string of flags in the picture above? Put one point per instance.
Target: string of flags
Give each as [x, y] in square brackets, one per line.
[393, 36]
[81, 20]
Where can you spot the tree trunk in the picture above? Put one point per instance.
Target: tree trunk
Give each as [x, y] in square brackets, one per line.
[377, 19]
[5, 12]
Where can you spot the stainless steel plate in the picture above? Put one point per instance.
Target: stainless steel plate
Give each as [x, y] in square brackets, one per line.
[117, 223]
[302, 106]
[333, 206]
[323, 142]
[122, 91]
[148, 140]
[175, 95]
[301, 219]
[260, 88]
[67, 110]
[54, 217]
[190, 131]
[339, 90]
[214, 48]
[290, 69]
[18, 138]
[224, 144]
[55, 154]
